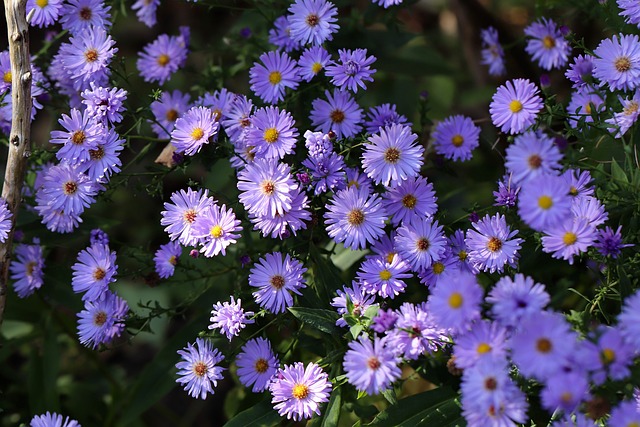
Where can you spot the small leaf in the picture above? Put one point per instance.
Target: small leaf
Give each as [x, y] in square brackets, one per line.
[356, 330]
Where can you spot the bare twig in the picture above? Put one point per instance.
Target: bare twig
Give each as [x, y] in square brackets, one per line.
[19, 138]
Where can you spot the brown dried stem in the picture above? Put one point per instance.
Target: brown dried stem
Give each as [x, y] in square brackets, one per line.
[19, 138]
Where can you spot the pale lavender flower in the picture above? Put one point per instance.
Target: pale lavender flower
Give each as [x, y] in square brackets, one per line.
[230, 318]
[198, 370]
[371, 366]
[297, 392]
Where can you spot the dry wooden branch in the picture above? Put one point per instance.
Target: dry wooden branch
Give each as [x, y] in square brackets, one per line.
[19, 138]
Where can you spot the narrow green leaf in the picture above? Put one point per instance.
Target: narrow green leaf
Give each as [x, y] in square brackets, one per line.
[413, 409]
[326, 276]
[260, 415]
[617, 172]
[318, 318]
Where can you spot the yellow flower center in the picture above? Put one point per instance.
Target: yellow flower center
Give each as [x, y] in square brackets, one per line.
[457, 140]
[409, 201]
[632, 108]
[545, 202]
[608, 356]
[548, 42]
[91, 55]
[355, 217]
[515, 106]
[99, 274]
[172, 115]
[163, 60]
[275, 77]
[385, 274]
[316, 67]
[173, 260]
[569, 238]
[455, 300]
[270, 135]
[197, 134]
[78, 137]
[300, 391]
[483, 348]
[587, 108]
[42, 3]
[438, 267]
[462, 255]
[216, 231]
[622, 64]
[7, 77]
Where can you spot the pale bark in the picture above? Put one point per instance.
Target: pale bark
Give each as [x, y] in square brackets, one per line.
[19, 138]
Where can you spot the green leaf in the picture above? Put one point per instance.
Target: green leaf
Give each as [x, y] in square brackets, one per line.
[356, 330]
[617, 173]
[326, 276]
[331, 414]
[319, 318]
[260, 415]
[434, 407]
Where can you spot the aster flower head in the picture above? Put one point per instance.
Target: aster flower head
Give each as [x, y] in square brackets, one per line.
[180, 215]
[257, 364]
[580, 71]
[629, 320]
[547, 45]
[514, 300]
[167, 110]
[280, 35]
[384, 115]
[384, 278]
[312, 61]
[26, 269]
[105, 104]
[544, 202]
[392, 155]
[102, 320]
[67, 189]
[492, 52]
[384, 321]
[339, 113]
[455, 302]
[589, 209]
[387, 3]
[5, 220]
[456, 137]
[448, 263]
[415, 332]
[98, 236]
[79, 15]
[297, 391]
[166, 259]
[327, 172]
[493, 244]
[532, 154]
[484, 341]
[625, 414]
[609, 242]
[94, 271]
[219, 102]
[584, 102]
[230, 318]
[371, 366]
[216, 228]
[237, 120]
[83, 132]
[45, 13]
[630, 11]
[313, 21]
[565, 391]
[289, 222]
[52, 420]
[355, 297]
[161, 58]
[104, 159]
[276, 72]
[272, 133]
[507, 193]
[411, 199]
[87, 56]
[515, 106]
[198, 369]
[420, 243]
[569, 239]
[615, 355]
[353, 70]
[146, 11]
[266, 187]
[625, 119]
[617, 62]
[193, 130]
[276, 278]
[355, 218]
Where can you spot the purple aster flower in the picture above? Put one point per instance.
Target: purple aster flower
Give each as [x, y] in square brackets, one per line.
[455, 303]
[516, 299]
[313, 21]
[167, 110]
[26, 268]
[82, 133]
[547, 45]
[420, 243]
[230, 318]
[411, 199]
[415, 332]
[318, 143]
[355, 218]
[584, 102]
[459, 250]
[94, 270]
[615, 356]
[492, 244]
[79, 15]
[266, 187]
[580, 71]
[385, 320]
[629, 320]
[46, 12]
[340, 114]
[312, 60]
[5, 220]
[104, 159]
[52, 420]
[531, 154]
[392, 155]
[589, 209]
[541, 344]
[387, 3]
[216, 228]
[219, 102]
[269, 79]
[290, 221]
[102, 320]
[571, 238]
[58, 220]
[507, 193]
[579, 181]
[565, 390]
[87, 56]
[237, 120]
[384, 278]
[354, 296]
[280, 35]
[194, 129]
[166, 259]
[353, 69]
[609, 242]
[617, 62]
[98, 236]
[492, 52]
[161, 58]
[105, 104]
[327, 172]
[383, 115]
[257, 364]
[371, 366]
[448, 263]
[5, 72]
[630, 11]
[515, 106]
[297, 392]
[485, 341]
[357, 178]
[623, 120]
[544, 202]
[198, 370]
[276, 277]
[180, 215]
[272, 133]
[67, 189]
[625, 414]
[456, 137]
[574, 420]
[146, 11]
